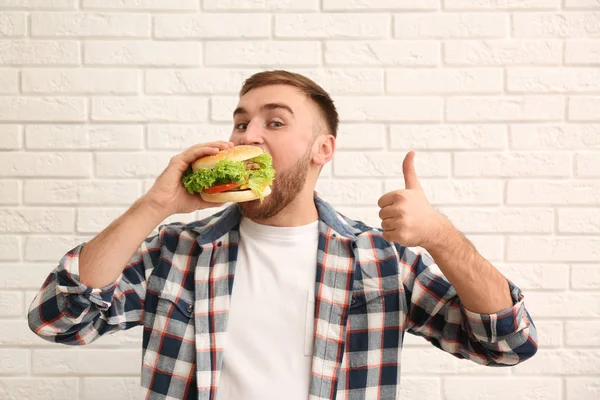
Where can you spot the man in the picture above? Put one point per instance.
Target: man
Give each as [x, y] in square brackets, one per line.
[284, 299]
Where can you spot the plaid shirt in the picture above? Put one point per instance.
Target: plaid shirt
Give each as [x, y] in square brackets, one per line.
[368, 293]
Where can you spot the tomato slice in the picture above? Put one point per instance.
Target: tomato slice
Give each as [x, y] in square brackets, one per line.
[221, 188]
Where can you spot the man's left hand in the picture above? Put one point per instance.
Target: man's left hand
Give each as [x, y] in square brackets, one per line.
[407, 216]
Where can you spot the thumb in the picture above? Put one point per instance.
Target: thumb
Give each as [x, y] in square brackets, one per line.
[411, 181]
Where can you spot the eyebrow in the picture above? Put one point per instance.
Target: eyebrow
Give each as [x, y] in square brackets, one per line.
[269, 106]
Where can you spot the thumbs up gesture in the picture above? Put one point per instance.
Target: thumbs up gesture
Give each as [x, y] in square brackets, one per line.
[407, 216]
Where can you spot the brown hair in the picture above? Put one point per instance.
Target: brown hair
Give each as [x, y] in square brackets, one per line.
[307, 86]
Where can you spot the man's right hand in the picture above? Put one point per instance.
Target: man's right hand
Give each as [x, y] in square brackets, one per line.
[168, 196]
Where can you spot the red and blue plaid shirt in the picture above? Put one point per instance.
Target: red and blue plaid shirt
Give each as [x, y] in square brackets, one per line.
[368, 293]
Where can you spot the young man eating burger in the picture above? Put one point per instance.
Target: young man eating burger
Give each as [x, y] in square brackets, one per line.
[280, 297]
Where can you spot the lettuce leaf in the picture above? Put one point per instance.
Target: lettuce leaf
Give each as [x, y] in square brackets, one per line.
[227, 171]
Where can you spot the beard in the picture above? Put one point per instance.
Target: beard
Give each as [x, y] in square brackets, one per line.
[285, 188]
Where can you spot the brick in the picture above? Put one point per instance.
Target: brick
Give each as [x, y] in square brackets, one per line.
[550, 333]
[550, 80]
[11, 137]
[513, 164]
[494, 220]
[9, 81]
[51, 4]
[131, 338]
[16, 332]
[584, 108]
[537, 276]
[329, 26]
[350, 192]
[39, 52]
[555, 136]
[81, 192]
[503, 52]
[242, 53]
[149, 109]
[84, 137]
[557, 24]
[502, 4]
[143, 53]
[180, 137]
[457, 192]
[584, 51]
[472, 388]
[384, 53]
[360, 164]
[440, 81]
[14, 361]
[80, 81]
[79, 361]
[583, 333]
[36, 220]
[153, 5]
[28, 276]
[242, 5]
[555, 249]
[196, 81]
[46, 164]
[547, 192]
[347, 80]
[447, 26]
[139, 165]
[582, 4]
[587, 165]
[37, 388]
[563, 304]
[10, 190]
[582, 388]
[13, 24]
[94, 220]
[585, 276]
[384, 5]
[561, 362]
[222, 108]
[49, 248]
[448, 136]
[367, 215]
[392, 109]
[11, 305]
[360, 136]
[10, 248]
[112, 388]
[54, 109]
[433, 361]
[514, 108]
[90, 24]
[210, 26]
[416, 388]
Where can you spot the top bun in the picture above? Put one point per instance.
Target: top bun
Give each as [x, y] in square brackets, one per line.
[237, 153]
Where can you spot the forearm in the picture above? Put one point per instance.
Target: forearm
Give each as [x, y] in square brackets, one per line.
[480, 286]
[105, 257]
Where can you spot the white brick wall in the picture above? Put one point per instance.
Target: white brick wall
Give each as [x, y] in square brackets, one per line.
[500, 99]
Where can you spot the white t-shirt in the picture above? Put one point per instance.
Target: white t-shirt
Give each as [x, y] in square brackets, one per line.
[269, 341]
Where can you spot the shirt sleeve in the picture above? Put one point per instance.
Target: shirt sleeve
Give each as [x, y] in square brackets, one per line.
[435, 312]
[67, 311]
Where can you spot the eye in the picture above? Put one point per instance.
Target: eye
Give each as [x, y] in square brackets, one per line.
[276, 124]
[241, 126]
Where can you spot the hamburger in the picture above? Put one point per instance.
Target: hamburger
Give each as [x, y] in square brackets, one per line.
[241, 173]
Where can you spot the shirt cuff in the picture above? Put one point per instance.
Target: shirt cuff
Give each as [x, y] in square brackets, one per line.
[79, 294]
[493, 328]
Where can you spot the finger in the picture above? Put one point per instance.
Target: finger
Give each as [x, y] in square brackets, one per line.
[389, 212]
[386, 200]
[199, 149]
[388, 225]
[411, 181]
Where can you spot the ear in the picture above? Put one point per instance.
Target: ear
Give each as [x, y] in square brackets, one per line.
[323, 149]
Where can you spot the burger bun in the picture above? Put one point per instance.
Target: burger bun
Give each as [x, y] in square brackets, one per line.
[237, 196]
[237, 153]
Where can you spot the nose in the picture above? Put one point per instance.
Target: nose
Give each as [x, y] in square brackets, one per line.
[253, 134]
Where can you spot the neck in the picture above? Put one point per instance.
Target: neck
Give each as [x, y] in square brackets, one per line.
[301, 211]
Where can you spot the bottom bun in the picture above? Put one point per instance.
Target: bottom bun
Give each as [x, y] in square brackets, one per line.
[234, 197]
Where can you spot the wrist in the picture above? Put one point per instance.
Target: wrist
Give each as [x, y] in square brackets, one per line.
[153, 211]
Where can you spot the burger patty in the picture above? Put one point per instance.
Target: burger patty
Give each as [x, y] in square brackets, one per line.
[251, 165]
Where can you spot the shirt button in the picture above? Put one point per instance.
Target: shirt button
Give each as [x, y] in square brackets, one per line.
[190, 308]
[353, 301]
